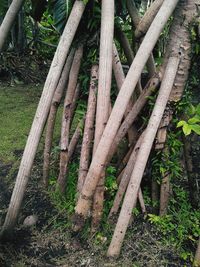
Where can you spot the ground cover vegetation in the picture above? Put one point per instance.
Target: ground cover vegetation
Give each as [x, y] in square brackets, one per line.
[92, 149]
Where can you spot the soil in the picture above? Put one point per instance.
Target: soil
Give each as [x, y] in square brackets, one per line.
[47, 244]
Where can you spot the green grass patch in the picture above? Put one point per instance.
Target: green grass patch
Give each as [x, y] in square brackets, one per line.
[17, 109]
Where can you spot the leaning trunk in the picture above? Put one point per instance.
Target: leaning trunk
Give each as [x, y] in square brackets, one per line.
[119, 108]
[52, 116]
[8, 21]
[143, 154]
[41, 116]
[67, 117]
[86, 148]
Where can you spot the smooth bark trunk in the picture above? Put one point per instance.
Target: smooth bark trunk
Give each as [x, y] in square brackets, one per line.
[120, 77]
[9, 20]
[87, 143]
[125, 178]
[99, 159]
[130, 118]
[67, 117]
[197, 256]
[103, 98]
[123, 40]
[52, 116]
[72, 146]
[41, 116]
[143, 155]
[147, 19]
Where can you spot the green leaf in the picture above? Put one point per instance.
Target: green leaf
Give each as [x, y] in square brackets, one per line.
[3, 7]
[181, 123]
[194, 120]
[196, 128]
[61, 11]
[187, 129]
[192, 110]
[85, 2]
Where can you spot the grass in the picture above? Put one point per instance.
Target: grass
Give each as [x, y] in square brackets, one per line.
[17, 109]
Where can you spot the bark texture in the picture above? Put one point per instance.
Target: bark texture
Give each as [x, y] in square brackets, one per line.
[41, 116]
[197, 256]
[99, 159]
[147, 19]
[52, 116]
[103, 98]
[8, 21]
[134, 112]
[143, 154]
[67, 117]
[87, 143]
[125, 178]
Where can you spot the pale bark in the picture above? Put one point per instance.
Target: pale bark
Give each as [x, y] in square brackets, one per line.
[136, 109]
[52, 116]
[74, 140]
[133, 12]
[124, 42]
[67, 117]
[8, 21]
[162, 131]
[161, 145]
[120, 77]
[125, 178]
[122, 162]
[119, 108]
[41, 116]
[135, 17]
[147, 19]
[197, 256]
[128, 53]
[141, 201]
[71, 149]
[142, 157]
[87, 143]
[103, 97]
[75, 103]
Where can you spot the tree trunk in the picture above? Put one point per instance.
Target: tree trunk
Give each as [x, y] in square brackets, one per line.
[165, 184]
[120, 77]
[130, 118]
[103, 98]
[74, 103]
[125, 178]
[71, 149]
[124, 42]
[119, 108]
[88, 129]
[132, 10]
[52, 116]
[197, 256]
[136, 20]
[74, 140]
[147, 19]
[66, 118]
[164, 194]
[143, 154]
[8, 21]
[41, 116]
[180, 42]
